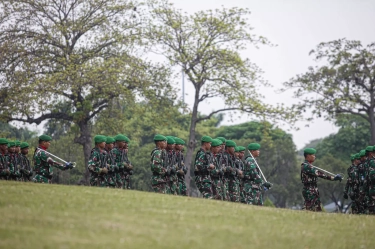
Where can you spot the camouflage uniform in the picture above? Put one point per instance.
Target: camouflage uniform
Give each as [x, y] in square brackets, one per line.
[5, 166]
[232, 178]
[15, 160]
[119, 155]
[362, 198]
[370, 184]
[252, 182]
[221, 160]
[26, 170]
[202, 174]
[158, 170]
[352, 188]
[111, 175]
[182, 170]
[172, 172]
[43, 166]
[240, 166]
[97, 162]
[216, 175]
[310, 192]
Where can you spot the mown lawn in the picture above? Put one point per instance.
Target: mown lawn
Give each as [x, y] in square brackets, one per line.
[57, 216]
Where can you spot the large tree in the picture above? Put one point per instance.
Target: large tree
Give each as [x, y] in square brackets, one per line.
[343, 82]
[67, 59]
[207, 46]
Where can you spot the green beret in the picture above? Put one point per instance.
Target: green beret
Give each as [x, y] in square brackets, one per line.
[45, 138]
[362, 153]
[352, 157]
[236, 149]
[216, 142]
[24, 145]
[357, 156]
[3, 141]
[206, 139]
[253, 146]
[121, 138]
[170, 140]
[222, 139]
[18, 143]
[100, 139]
[309, 151]
[159, 137]
[241, 148]
[11, 144]
[369, 149]
[179, 141]
[110, 140]
[230, 143]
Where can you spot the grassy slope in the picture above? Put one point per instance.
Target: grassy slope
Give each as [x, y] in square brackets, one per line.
[56, 216]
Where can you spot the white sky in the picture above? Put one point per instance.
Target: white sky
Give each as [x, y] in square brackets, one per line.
[296, 26]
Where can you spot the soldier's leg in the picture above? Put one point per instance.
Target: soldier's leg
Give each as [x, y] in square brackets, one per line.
[159, 188]
[248, 193]
[206, 190]
[257, 197]
[182, 188]
[225, 190]
[233, 190]
[41, 179]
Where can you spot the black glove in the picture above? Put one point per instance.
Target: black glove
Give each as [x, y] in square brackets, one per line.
[267, 185]
[173, 170]
[131, 172]
[69, 165]
[116, 168]
[337, 178]
[346, 196]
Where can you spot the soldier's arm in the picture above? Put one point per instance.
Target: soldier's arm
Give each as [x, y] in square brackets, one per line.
[200, 162]
[93, 164]
[348, 183]
[310, 170]
[157, 162]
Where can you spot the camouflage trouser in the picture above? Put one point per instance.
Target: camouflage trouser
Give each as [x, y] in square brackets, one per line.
[98, 181]
[225, 193]
[311, 199]
[253, 195]
[118, 180]
[159, 188]
[126, 179]
[111, 180]
[233, 189]
[242, 193]
[3, 174]
[182, 187]
[172, 185]
[41, 179]
[217, 188]
[205, 186]
[371, 200]
[197, 181]
[15, 176]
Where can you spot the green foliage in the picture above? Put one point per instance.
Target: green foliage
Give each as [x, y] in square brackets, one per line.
[268, 203]
[12, 132]
[109, 218]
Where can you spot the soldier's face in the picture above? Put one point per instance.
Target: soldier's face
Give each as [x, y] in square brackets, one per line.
[255, 153]
[109, 146]
[3, 148]
[25, 151]
[18, 149]
[170, 146]
[12, 149]
[215, 149]
[230, 150]
[242, 154]
[46, 144]
[223, 147]
[310, 158]
[237, 154]
[101, 145]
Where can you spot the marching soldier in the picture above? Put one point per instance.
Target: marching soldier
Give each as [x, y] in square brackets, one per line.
[216, 174]
[240, 153]
[370, 180]
[15, 175]
[43, 163]
[362, 166]
[352, 185]
[309, 177]
[5, 165]
[26, 170]
[97, 164]
[203, 168]
[182, 169]
[120, 154]
[110, 177]
[158, 164]
[231, 173]
[222, 161]
[253, 182]
[171, 176]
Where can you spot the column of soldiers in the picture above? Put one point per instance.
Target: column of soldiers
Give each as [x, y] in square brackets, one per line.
[360, 185]
[220, 170]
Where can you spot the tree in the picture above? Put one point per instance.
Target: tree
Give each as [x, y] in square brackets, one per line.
[75, 54]
[207, 45]
[345, 85]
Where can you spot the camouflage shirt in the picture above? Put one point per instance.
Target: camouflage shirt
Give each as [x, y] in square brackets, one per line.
[181, 165]
[251, 172]
[121, 159]
[230, 167]
[158, 162]
[201, 162]
[98, 159]
[5, 162]
[371, 173]
[15, 160]
[43, 164]
[309, 174]
[217, 171]
[352, 183]
[25, 162]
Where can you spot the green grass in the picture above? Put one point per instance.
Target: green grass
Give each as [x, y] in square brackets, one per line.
[56, 216]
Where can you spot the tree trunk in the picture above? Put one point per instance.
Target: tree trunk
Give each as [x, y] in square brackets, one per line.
[191, 144]
[372, 126]
[85, 140]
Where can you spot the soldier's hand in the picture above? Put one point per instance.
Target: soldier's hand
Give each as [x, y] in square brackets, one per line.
[103, 171]
[221, 173]
[229, 169]
[130, 167]
[7, 171]
[31, 172]
[346, 196]
[267, 185]
[211, 166]
[116, 168]
[18, 166]
[337, 178]
[180, 172]
[69, 165]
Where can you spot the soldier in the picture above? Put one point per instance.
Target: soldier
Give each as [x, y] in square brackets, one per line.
[203, 168]
[222, 161]
[309, 177]
[110, 177]
[216, 174]
[43, 163]
[125, 168]
[253, 182]
[239, 152]
[231, 173]
[370, 180]
[352, 184]
[15, 174]
[171, 175]
[97, 164]
[26, 170]
[5, 166]
[362, 199]
[158, 164]
[182, 169]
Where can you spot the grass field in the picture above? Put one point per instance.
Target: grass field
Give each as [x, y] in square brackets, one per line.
[56, 216]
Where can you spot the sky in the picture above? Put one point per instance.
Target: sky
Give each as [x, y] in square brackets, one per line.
[296, 27]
